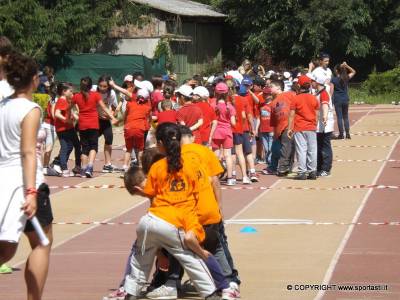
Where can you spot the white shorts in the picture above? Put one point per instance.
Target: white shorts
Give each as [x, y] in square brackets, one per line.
[12, 218]
[51, 133]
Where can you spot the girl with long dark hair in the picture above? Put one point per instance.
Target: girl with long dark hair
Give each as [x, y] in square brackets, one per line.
[343, 74]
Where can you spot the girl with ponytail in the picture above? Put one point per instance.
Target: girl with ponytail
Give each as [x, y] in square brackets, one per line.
[172, 185]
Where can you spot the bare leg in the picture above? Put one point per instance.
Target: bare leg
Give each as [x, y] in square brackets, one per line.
[127, 158]
[229, 163]
[7, 251]
[92, 157]
[240, 156]
[37, 265]
[47, 155]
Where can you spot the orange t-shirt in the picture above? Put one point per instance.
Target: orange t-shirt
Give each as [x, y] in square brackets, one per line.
[280, 109]
[175, 195]
[137, 116]
[305, 106]
[207, 206]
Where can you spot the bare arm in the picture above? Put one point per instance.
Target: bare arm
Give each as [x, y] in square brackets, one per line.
[120, 89]
[193, 244]
[325, 109]
[29, 129]
[197, 125]
[217, 191]
[213, 127]
[350, 69]
[290, 125]
[255, 98]
[107, 111]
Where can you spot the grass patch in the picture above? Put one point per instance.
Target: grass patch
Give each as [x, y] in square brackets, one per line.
[361, 95]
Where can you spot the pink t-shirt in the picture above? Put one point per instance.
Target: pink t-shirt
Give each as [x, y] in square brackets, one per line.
[224, 112]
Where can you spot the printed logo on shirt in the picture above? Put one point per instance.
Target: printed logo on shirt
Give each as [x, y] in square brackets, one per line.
[265, 113]
[177, 185]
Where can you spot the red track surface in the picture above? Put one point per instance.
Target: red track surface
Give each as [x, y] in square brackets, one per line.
[89, 265]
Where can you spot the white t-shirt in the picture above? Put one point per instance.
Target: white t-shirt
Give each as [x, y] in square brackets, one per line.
[236, 75]
[12, 113]
[5, 89]
[109, 99]
[330, 124]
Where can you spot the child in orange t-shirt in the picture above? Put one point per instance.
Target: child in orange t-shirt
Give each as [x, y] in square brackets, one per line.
[303, 124]
[172, 184]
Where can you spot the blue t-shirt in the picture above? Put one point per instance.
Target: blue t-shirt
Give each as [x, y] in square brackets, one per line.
[340, 92]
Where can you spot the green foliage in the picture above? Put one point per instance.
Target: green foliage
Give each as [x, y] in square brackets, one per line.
[42, 100]
[383, 83]
[163, 48]
[47, 28]
[214, 66]
[361, 95]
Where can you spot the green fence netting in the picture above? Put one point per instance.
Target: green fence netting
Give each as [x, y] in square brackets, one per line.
[73, 67]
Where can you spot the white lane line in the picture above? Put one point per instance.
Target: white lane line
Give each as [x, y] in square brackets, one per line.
[342, 245]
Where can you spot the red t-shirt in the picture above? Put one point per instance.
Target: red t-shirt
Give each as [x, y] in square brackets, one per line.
[137, 116]
[49, 119]
[248, 111]
[265, 118]
[208, 116]
[167, 116]
[239, 107]
[255, 107]
[305, 106]
[280, 109]
[190, 114]
[65, 108]
[88, 115]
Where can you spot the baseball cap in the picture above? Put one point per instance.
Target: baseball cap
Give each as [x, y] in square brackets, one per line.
[259, 81]
[128, 78]
[242, 90]
[185, 90]
[201, 91]
[247, 81]
[221, 88]
[287, 75]
[304, 79]
[143, 93]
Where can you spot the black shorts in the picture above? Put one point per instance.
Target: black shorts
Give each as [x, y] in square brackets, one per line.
[44, 212]
[106, 130]
[89, 140]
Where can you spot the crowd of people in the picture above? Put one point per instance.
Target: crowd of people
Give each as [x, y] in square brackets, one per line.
[181, 143]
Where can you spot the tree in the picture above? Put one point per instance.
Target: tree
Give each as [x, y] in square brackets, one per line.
[44, 29]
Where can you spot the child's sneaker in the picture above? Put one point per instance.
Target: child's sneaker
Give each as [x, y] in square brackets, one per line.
[77, 171]
[116, 295]
[324, 174]
[163, 292]
[300, 176]
[67, 173]
[312, 175]
[89, 172]
[268, 171]
[253, 177]
[231, 293]
[230, 181]
[108, 169]
[246, 180]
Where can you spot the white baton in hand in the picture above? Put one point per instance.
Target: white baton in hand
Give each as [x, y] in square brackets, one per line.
[39, 231]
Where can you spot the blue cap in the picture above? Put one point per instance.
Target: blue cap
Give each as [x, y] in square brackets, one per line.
[242, 90]
[165, 77]
[247, 81]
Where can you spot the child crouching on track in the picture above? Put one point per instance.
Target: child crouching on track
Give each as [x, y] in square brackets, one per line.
[173, 186]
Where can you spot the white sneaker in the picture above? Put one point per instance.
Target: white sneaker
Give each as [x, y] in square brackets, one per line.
[230, 181]
[67, 173]
[163, 292]
[231, 293]
[57, 168]
[246, 180]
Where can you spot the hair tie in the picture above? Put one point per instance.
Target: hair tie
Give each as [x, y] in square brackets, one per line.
[174, 137]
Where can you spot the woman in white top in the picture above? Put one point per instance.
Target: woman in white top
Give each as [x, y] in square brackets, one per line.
[19, 175]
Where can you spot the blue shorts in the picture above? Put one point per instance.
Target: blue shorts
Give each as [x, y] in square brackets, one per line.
[244, 140]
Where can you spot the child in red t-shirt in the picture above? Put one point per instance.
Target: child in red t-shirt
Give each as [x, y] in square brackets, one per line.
[167, 114]
[189, 114]
[200, 97]
[137, 119]
[64, 124]
[266, 131]
[303, 125]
